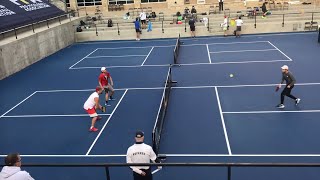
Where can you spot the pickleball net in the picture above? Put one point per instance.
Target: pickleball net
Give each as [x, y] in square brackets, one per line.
[176, 50]
[158, 126]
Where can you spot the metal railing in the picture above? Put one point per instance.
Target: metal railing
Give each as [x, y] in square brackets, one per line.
[31, 26]
[229, 166]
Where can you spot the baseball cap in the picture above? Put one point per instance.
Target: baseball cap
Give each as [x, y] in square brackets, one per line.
[103, 68]
[98, 88]
[139, 134]
[285, 67]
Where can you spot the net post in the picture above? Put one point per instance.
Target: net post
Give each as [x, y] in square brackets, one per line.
[282, 20]
[33, 28]
[107, 172]
[208, 24]
[97, 34]
[15, 33]
[162, 27]
[318, 34]
[311, 18]
[118, 29]
[229, 172]
[185, 25]
[255, 20]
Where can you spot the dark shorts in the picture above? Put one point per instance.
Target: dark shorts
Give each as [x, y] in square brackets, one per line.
[192, 28]
[238, 28]
[143, 21]
[138, 30]
[148, 175]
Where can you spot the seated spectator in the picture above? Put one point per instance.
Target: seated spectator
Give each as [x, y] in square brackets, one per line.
[193, 10]
[186, 12]
[12, 170]
[264, 10]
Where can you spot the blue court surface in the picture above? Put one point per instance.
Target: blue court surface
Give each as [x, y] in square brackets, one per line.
[211, 116]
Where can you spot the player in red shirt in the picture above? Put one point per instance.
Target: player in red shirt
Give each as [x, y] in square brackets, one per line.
[104, 79]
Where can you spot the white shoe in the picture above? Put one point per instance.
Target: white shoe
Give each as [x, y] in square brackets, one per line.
[298, 101]
[280, 106]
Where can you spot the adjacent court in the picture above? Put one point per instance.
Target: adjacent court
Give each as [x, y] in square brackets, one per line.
[211, 116]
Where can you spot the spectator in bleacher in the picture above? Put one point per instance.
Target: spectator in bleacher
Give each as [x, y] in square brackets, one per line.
[225, 25]
[149, 25]
[194, 13]
[186, 12]
[239, 23]
[137, 28]
[220, 5]
[12, 169]
[143, 18]
[192, 24]
[264, 10]
[193, 10]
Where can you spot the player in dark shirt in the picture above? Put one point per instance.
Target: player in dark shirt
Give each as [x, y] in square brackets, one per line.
[290, 81]
[192, 25]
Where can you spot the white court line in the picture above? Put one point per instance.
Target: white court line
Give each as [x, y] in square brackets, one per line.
[155, 171]
[201, 38]
[71, 67]
[18, 104]
[169, 155]
[105, 124]
[265, 112]
[140, 47]
[147, 56]
[84, 90]
[123, 56]
[223, 123]
[280, 50]
[247, 62]
[108, 67]
[208, 53]
[184, 45]
[242, 155]
[71, 155]
[182, 87]
[51, 115]
[192, 64]
[253, 50]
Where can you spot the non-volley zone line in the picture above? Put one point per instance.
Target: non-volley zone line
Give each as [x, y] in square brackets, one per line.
[166, 155]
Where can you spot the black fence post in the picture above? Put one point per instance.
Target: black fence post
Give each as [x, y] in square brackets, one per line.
[118, 29]
[162, 27]
[47, 24]
[185, 25]
[255, 20]
[229, 172]
[33, 28]
[15, 33]
[97, 31]
[282, 20]
[107, 173]
[208, 24]
[311, 18]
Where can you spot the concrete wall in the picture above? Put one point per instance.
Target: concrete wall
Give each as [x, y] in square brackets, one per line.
[18, 54]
